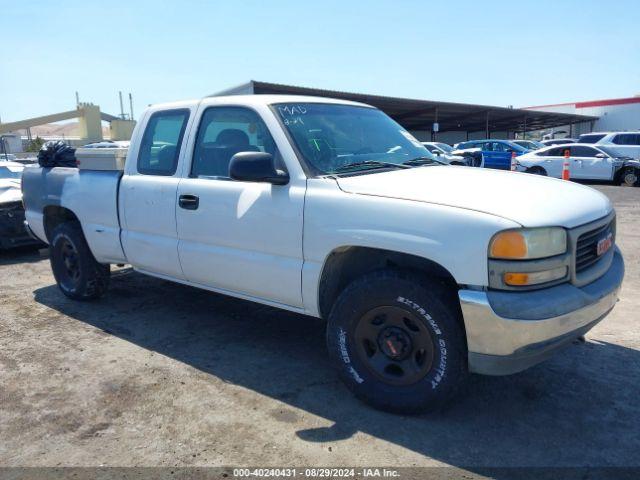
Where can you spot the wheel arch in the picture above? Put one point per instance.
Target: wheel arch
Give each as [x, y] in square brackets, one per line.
[345, 264]
[537, 168]
[627, 165]
[54, 215]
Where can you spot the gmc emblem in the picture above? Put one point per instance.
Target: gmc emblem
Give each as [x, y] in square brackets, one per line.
[604, 244]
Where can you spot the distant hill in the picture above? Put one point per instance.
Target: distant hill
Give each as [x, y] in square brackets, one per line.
[66, 129]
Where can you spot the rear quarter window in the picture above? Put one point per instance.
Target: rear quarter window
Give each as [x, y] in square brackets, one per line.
[161, 142]
[590, 138]
[627, 139]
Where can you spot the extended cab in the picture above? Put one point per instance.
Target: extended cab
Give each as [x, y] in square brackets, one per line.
[331, 209]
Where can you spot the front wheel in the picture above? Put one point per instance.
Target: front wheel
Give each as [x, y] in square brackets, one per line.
[74, 267]
[397, 342]
[629, 177]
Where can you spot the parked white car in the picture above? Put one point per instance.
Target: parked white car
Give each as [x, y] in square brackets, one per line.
[624, 144]
[586, 162]
[443, 152]
[329, 208]
[557, 141]
[529, 144]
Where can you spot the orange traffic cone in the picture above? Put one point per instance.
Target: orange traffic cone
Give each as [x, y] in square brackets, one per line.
[565, 165]
[513, 161]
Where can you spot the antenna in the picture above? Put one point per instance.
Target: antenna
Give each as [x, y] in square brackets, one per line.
[131, 105]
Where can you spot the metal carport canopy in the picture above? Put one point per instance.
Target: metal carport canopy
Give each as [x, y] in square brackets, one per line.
[421, 114]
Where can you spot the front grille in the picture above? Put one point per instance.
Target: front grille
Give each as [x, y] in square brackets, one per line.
[587, 246]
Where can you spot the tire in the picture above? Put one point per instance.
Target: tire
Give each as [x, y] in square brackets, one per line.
[74, 267]
[629, 177]
[537, 171]
[397, 342]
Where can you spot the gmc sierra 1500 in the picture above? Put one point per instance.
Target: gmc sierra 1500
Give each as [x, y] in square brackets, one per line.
[329, 208]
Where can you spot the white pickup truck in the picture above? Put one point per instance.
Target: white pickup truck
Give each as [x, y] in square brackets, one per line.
[423, 271]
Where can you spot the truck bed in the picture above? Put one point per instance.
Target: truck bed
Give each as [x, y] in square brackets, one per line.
[91, 195]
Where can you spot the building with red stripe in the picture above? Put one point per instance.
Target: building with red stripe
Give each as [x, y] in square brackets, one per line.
[615, 114]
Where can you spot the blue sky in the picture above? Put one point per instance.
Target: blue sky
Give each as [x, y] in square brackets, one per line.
[492, 52]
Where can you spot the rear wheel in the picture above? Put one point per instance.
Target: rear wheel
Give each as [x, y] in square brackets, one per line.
[537, 171]
[397, 342]
[74, 267]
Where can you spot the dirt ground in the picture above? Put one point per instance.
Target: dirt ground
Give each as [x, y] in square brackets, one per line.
[158, 374]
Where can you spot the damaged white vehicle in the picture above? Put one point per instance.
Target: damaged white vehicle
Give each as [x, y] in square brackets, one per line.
[12, 229]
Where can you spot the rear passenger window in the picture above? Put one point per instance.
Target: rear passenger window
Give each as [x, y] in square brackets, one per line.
[225, 131]
[583, 152]
[591, 138]
[627, 139]
[161, 142]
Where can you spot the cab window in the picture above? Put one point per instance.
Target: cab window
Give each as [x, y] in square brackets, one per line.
[225, 131]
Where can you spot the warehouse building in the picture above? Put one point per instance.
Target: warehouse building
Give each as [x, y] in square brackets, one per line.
[616, 114]
[431, 120]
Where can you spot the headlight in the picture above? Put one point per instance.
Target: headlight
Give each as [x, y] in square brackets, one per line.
[528, 243]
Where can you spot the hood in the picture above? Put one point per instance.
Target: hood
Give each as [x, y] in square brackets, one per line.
[530, 200]
[10, 191]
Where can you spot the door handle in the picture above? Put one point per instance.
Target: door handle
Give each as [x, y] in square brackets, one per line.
[188, 202]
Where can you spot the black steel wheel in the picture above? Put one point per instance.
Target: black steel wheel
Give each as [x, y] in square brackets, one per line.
[397, 341]
[74, 267]
[394, 345]
[70, 274]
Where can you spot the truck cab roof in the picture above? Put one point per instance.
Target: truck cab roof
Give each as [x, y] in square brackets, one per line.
[254, 100]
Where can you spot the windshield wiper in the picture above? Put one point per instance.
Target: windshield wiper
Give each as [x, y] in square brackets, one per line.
[370, 164]
[423, 161]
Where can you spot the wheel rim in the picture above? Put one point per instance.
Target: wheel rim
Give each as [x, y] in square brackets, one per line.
[394, 344]
[630, 178]
[70, 261]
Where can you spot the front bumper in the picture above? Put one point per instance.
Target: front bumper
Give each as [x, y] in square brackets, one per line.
[510, 331]
[12, 229]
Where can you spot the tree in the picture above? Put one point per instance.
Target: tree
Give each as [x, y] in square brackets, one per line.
[35, 145]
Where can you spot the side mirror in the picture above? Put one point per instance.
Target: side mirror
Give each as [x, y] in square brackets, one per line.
[600, 155]
[437, 152]
[256, 167]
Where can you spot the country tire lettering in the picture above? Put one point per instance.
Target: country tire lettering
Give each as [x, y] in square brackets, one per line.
[397, 341]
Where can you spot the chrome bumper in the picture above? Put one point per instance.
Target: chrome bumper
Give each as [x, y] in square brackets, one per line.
[537, 323]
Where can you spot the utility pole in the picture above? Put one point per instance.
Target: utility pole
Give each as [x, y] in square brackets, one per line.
[121, 107]
[131, 105]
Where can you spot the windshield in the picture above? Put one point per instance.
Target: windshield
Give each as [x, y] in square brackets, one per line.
[337, 138]
[530, 144]
[10, 172]
[591, 138]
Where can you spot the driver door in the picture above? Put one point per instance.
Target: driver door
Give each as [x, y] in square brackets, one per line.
[588, 166]
[239, 237]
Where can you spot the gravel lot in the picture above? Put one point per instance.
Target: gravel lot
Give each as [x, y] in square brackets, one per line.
[158, 374]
